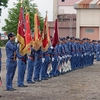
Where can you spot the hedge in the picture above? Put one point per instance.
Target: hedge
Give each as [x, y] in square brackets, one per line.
[3, 43]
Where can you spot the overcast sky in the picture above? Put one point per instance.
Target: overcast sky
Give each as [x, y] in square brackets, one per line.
[43, 6]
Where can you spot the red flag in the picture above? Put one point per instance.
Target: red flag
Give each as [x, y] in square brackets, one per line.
[28, 38]
[55, 34]
[46, 36]
[37, 43]
[21, 31]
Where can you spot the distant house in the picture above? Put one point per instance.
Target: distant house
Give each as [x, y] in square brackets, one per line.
[66, 13]
[88, 19]
[62, 7]
[3, 36]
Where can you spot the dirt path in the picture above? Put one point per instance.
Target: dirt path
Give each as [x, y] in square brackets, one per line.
[81, 84]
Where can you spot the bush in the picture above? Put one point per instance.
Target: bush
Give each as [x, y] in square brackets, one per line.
[3, 42]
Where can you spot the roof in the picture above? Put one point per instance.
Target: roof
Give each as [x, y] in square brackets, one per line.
[87, 4]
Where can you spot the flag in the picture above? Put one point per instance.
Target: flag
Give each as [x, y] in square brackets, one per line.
[28, 38]
[55, 34]
[46, 36]
[37, 43]
[21, 32]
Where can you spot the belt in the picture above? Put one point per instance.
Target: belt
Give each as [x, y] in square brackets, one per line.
[55, 54]
[40, 56]
[47, 54]
[23, 60]
[31, 58]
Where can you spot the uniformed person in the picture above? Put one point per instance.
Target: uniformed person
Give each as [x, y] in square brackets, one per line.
[11, 62]
[30, 70]
[45, 63]
[38, 65]
[22, 63]
[98, 51]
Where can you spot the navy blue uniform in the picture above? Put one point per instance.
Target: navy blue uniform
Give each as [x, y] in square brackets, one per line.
[22, 62]
[10, 63]
[37, 65]
[30, 70]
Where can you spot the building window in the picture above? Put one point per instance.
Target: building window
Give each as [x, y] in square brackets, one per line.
[89, 30]
[63, 0]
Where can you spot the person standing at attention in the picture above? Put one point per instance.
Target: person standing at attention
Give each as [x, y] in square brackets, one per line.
[11, 62]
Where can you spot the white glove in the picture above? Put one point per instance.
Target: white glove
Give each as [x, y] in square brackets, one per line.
[81, 55]
[68, 55]
[77, 54]
[97, 52]
[74, 54]
[59, 57]
[53, 59]
[63, 57]
[43, 59]
[85, 54]
[93, 53]
[90, 54]
[51, 47]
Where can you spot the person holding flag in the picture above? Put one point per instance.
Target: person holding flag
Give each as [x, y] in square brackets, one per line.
[54, 48]
[11, 62]
[24, 45]
[37, 44]
[30, 69]
[22, 63]
[45, 49]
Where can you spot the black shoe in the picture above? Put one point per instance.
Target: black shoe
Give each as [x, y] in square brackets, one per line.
[31, 82]
[38, 80]
[45, 79]
[0, 95]
[10, 89]
[22, 86]
[13, 88]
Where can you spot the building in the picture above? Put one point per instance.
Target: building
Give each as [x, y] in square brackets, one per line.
[3, 36]
[88, 19]
[64, 10]
[66, 25]
[61, 7]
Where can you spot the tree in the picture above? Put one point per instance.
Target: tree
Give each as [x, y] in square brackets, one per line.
[13, 16]
[3, 3]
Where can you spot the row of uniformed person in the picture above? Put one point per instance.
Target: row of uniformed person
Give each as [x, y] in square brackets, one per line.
[78, 52]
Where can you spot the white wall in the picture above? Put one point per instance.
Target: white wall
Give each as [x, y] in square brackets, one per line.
[87, 17]
[66, 10]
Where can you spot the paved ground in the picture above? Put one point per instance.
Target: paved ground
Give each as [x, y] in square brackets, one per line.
[81, 84]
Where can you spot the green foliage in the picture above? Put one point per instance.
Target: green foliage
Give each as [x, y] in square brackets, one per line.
[13, 16]
[3, 43]
[4, 3]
